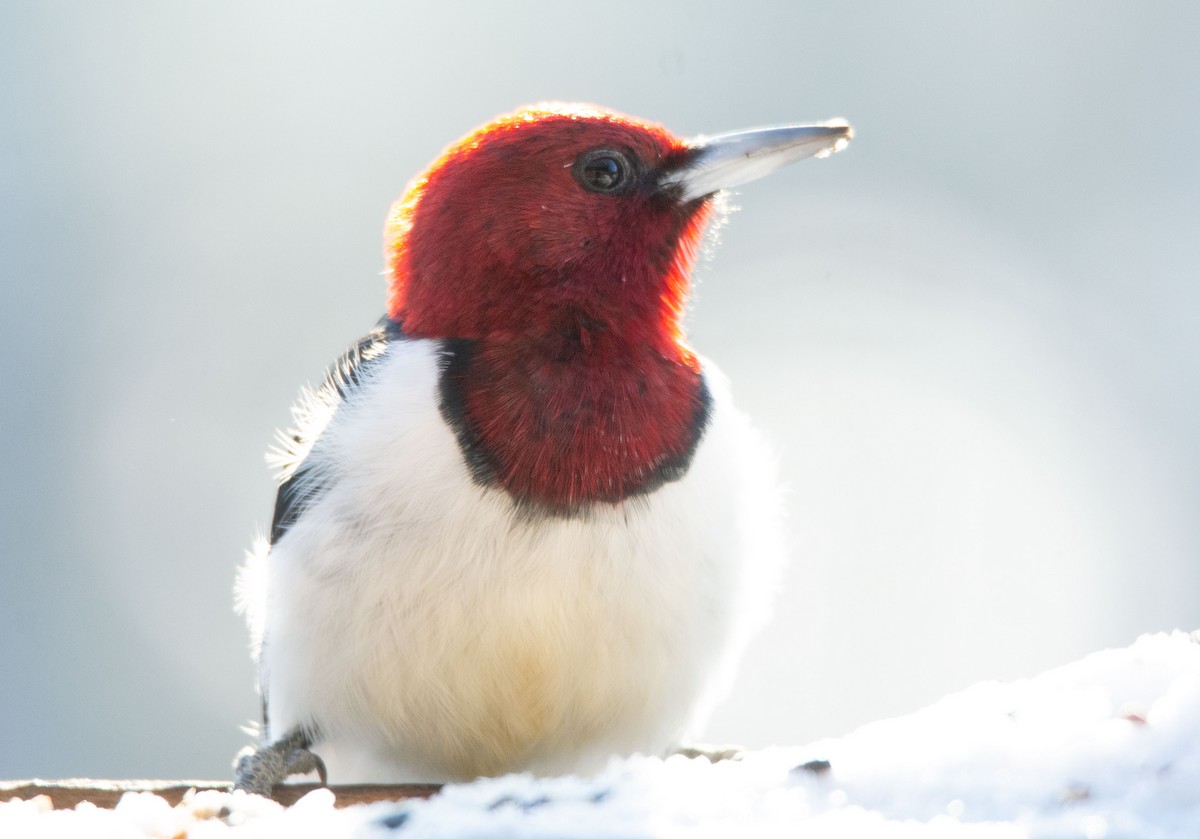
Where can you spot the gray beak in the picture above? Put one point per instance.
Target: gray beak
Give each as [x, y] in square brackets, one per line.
[729, 160]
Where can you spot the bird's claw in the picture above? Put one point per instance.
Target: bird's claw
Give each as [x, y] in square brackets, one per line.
[258, 770]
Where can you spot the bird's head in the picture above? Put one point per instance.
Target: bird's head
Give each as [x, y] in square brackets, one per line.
[561, 212]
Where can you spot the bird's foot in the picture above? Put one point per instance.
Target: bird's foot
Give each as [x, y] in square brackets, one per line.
[258, 770]
[712, 752]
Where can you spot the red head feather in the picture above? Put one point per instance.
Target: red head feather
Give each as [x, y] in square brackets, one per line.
[574, 384]
[498, 238]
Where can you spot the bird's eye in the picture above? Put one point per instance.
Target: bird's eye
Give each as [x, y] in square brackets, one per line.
[606, 171]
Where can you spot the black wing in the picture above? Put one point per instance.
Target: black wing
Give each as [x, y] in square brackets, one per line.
[300, 487]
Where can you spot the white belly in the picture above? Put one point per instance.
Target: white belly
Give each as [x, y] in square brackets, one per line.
[431, 632]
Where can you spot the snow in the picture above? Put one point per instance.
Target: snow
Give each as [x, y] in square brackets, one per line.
[1106, 747]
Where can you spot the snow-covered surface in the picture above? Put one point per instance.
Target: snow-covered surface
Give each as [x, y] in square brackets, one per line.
[1106, 747]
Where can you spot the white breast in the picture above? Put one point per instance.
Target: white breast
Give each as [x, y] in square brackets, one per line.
[432, 633]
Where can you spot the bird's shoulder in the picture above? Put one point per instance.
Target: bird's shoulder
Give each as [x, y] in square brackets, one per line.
[299, 482]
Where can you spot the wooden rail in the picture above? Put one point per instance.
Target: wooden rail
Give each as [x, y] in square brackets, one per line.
[65, 794]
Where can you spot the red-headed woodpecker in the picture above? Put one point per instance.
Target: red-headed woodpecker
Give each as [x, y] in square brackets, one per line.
[521, 525]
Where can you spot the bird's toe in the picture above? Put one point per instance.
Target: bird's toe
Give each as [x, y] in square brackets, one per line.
[258, 770]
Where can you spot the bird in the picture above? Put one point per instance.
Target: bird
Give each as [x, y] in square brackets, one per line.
[521, 525]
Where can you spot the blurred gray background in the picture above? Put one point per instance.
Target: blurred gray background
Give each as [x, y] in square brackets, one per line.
[974, 336]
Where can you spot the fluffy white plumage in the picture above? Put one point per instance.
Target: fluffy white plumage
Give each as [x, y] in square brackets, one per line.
[430, 630]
